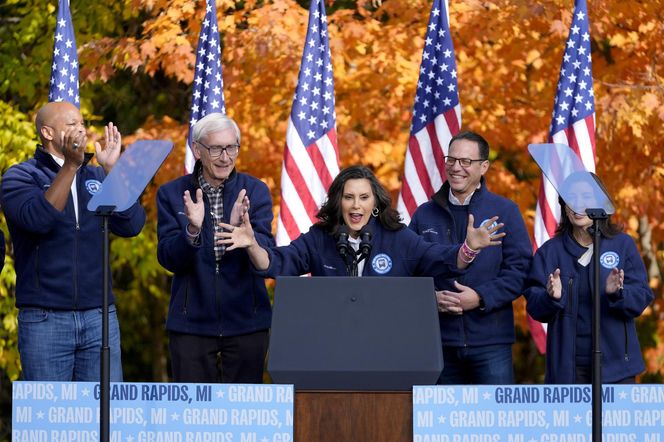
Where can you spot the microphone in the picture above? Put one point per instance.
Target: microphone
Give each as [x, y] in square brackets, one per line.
[343, 247]
[365, 242]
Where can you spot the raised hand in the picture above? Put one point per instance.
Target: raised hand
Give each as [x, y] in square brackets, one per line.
[485, 235]
[73, 142]
[553, 285]
[615, 280]
[195, 211]
[108, 154]
[237, 237]
[240, 207]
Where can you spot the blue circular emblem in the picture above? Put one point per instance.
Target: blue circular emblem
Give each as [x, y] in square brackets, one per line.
[609, 260]
[93, 186]
[486, 224]
[381, 263]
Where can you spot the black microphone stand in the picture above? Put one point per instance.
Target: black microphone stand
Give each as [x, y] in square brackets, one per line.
[347, 253]
[365, 245]
[105, 376]
[596, 215]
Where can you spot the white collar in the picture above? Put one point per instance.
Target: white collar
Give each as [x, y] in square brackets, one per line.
[454, 200]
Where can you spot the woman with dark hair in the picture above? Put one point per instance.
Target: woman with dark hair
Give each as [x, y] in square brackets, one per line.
[357, 202]
[560, 286]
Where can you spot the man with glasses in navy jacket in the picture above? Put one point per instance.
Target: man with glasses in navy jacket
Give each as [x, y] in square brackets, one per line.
[476, 318]
[219, 312]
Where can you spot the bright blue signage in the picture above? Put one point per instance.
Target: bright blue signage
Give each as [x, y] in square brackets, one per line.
[542, 413]
[153, 412]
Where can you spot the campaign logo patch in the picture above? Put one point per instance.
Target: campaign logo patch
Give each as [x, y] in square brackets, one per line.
[93, 186]
[486, 224]
[381, 263]
[609, 260]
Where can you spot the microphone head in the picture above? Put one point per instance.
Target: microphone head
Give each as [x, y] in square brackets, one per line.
[342, 240]
[365, 240]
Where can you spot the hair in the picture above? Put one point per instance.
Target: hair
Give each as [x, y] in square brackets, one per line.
[330, 215]
[482, 144]
[214, 122]
[606, 226]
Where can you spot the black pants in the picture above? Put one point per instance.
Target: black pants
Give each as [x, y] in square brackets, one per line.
[206, 359]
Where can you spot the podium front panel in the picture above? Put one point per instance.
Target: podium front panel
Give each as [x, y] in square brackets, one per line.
[355, 333]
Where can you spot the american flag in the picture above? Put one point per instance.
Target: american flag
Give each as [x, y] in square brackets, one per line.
[436, 115]
[208, 94]
[64, 71]
[572, 124]
[311, 157]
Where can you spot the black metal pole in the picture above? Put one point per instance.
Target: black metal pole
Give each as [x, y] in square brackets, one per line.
[596, 215]
[105, 354]
[104, 397]
[597, 351]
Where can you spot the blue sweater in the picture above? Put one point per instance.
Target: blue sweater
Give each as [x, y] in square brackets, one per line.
[393, 253]
[207, 299]
[497, 274]
[621, 354]
[57, 260]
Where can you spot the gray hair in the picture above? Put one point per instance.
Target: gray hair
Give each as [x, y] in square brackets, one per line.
[214, 122]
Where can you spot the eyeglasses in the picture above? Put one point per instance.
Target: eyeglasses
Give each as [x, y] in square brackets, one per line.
[465, 162]
[217, 151]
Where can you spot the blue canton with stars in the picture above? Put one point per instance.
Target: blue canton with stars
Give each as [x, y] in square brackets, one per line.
[313, 113]
[208, 93]
[64, 71]
[437, 84]
[574, 97]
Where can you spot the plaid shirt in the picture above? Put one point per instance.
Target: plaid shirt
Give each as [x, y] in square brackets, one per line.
[216, 197]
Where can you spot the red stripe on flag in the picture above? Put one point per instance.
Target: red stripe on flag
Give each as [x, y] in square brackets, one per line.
[319, 164]
[407, 196]
[452, 122]
[572, 142]
[538, 333]
[590, 124]
[437, 151]
[288, 221]
[332, 135]
[550, 222]
[300, 185]
[420, 167]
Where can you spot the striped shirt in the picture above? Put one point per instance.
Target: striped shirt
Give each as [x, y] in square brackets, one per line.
[216, 198]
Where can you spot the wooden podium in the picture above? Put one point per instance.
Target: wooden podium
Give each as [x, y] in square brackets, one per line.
[334, 416]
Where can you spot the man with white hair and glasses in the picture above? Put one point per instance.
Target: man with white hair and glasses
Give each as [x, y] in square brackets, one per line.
[219, 313]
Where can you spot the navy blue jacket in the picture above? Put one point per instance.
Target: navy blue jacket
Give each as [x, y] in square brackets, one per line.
[59, 261]
[497, 274]
[393, 253]
[207, 299]
[621, 354]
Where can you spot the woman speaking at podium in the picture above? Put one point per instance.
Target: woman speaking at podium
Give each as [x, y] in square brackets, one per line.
[358, 232]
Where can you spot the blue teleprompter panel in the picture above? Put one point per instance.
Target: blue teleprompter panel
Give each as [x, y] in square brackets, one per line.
[536, 413]
[153, 412]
